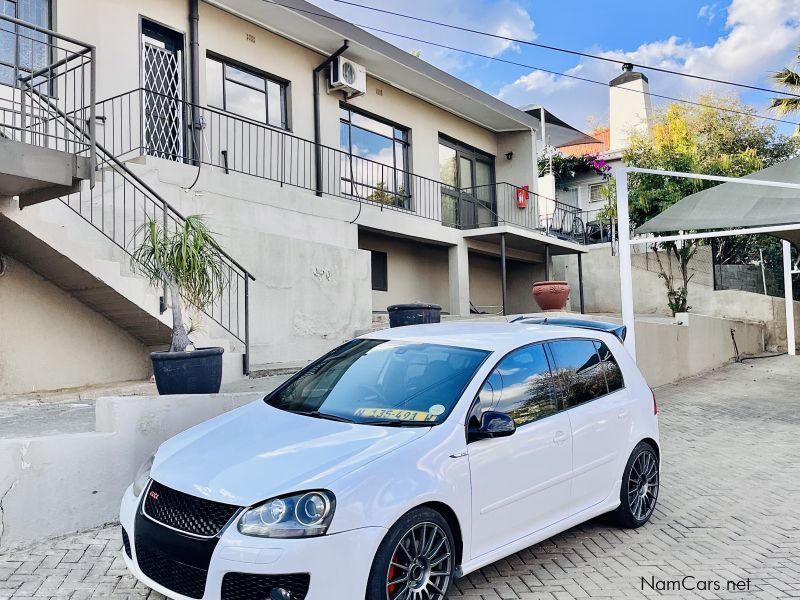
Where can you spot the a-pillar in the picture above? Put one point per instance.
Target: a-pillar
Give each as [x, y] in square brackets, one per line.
[458, 262]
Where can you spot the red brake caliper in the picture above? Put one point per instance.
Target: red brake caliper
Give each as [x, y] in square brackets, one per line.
[392, 572]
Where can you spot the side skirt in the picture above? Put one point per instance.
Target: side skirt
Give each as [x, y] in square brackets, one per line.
[548, 532]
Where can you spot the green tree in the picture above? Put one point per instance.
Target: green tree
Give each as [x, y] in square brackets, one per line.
[701, 140]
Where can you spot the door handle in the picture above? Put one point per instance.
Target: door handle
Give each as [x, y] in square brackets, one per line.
[560, 437]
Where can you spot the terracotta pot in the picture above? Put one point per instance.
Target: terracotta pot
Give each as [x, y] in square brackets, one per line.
[551, 295]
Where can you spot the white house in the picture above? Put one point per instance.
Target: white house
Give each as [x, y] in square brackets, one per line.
[340, 174]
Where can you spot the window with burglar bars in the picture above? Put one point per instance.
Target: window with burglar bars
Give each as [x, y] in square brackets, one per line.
[375, 158]
[28, 50]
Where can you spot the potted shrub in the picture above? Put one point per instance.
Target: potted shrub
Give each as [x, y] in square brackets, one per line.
[188, 263]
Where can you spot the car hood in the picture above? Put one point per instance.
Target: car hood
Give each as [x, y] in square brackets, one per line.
[257, 452]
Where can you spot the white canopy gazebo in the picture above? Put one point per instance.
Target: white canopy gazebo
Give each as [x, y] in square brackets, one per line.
[767, 201]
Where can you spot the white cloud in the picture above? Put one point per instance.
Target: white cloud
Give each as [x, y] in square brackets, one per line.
[505, 18]
[759, 37]
[708, 12]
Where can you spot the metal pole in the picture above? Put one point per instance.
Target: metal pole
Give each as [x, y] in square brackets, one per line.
[194, 88]
[93, 115]
[580, 282]
[763, 271]
[547, 262]
[503, 267]
[246, 357]
[791, 340]
[625, 268]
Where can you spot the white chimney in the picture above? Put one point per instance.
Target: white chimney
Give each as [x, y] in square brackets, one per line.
[629, 106]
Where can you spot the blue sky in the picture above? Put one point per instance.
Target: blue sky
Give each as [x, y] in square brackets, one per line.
[738, 40]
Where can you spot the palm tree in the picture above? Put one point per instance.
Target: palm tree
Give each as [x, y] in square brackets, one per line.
[790, 80]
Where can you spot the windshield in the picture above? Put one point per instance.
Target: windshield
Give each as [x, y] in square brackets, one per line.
[382, 383]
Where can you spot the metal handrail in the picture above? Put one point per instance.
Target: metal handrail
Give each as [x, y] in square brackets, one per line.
[241, 331]
[31, 125]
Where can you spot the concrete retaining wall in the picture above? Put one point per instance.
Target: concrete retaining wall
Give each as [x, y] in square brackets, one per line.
[668, 352]
[58, 484]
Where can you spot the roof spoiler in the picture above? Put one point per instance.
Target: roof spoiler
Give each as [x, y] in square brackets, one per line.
[618, 330]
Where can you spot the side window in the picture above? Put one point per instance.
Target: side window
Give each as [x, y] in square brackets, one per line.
[522, 385]
[611, 369]
[578, 371]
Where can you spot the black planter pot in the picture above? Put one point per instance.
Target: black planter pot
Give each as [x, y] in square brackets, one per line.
[413, 314]
[196, 372]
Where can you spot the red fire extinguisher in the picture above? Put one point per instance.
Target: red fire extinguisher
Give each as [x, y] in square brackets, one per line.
[522, 196]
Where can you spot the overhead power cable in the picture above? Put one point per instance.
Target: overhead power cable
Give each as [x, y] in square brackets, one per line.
[562, 50]
[531, 67]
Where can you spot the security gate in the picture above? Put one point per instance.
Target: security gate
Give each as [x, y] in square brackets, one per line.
[162, 79]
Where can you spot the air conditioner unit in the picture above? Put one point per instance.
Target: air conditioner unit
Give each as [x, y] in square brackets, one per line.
[348, 76]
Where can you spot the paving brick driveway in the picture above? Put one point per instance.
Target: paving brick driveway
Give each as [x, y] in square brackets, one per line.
[729, 510]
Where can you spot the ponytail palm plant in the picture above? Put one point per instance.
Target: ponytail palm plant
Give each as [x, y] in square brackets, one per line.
[188, 262]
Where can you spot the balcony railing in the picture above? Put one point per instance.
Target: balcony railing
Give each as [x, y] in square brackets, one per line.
[43, 76]
[600, 229]
[141, 122]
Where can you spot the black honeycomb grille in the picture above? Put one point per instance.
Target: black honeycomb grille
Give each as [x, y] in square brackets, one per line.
[245, 586]
[187, 513]
[180, 578]
[126, 543]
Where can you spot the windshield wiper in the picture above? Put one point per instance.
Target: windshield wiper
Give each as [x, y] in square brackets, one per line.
[320, 415]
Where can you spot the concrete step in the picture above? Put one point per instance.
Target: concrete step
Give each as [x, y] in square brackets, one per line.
[273, 369]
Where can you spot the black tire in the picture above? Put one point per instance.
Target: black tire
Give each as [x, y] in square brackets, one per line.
[399, 558]
[638, 493]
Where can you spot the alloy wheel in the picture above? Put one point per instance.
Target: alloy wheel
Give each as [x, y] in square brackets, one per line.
[643, 485]
[421, 565]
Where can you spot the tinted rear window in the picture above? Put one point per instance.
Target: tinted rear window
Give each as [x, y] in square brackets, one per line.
[578, 371]
[611, 369]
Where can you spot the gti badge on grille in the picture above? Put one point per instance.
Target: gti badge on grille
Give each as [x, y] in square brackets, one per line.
[153, 495]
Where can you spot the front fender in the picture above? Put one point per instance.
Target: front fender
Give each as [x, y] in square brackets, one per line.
[424, 471]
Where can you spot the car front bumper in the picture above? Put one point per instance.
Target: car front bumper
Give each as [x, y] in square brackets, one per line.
[338, 564]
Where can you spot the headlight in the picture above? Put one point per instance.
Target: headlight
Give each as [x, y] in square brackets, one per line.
[301, 515]
[142, 476]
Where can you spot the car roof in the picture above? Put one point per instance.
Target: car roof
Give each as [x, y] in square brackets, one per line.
[493, 336]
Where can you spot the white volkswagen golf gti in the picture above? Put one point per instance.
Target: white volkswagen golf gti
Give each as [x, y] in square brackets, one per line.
[397, 462]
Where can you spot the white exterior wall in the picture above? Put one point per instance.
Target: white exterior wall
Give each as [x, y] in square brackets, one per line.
[486, 283]
[417, 272]
[50, 340]
[312, 288]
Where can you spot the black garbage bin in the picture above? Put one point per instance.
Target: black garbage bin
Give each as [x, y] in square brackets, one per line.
[413, 314]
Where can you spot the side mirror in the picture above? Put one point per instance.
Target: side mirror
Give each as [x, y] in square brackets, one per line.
[493, 424]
